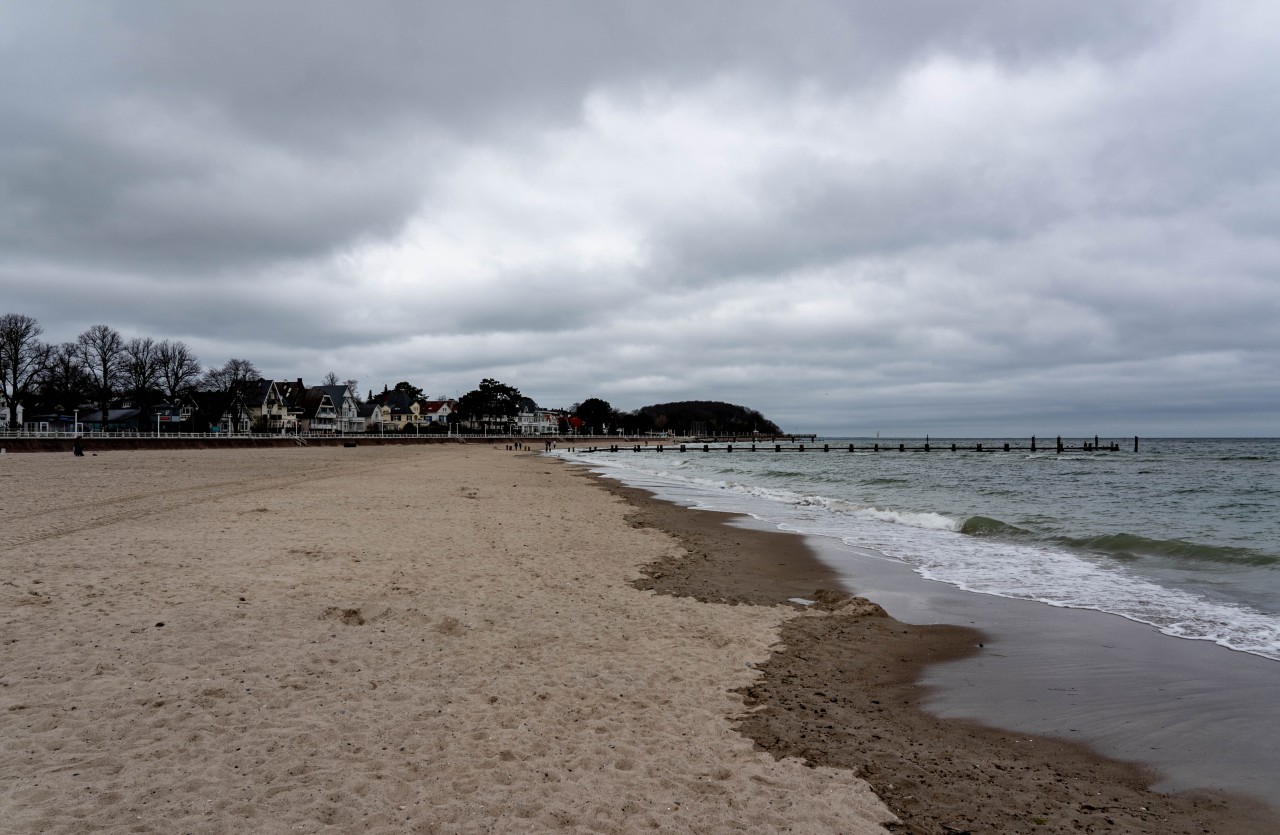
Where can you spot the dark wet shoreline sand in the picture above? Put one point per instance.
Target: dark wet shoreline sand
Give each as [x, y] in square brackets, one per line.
[842, 690]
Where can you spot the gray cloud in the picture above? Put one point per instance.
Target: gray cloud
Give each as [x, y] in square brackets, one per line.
[852, 216]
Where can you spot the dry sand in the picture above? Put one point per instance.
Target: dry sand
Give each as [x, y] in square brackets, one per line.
[439, 639]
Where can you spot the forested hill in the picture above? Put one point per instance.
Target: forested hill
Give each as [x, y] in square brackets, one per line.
[707, 417]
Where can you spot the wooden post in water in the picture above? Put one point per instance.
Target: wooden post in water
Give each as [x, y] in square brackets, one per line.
[1033, 443]
[1059, 443]
[1135, 443]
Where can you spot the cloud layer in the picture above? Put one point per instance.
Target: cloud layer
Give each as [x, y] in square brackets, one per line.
[852, 217]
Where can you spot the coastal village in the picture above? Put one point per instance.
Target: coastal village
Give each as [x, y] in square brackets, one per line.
[103, 383]
[290, 407]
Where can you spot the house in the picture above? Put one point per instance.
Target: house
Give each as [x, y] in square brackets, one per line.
[532, 420]
[117, 420]
[52, 422]
[436, 411]
[312, 407]
[348, 417]
[4, 414]
[372, 415]
[400, 410]
[174, 416]
[318, 414]
[269, 410]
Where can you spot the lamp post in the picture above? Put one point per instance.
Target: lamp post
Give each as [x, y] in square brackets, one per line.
[77, 421]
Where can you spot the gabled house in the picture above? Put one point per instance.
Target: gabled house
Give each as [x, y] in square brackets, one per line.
[399, 410]
[436, 411]
[269, 410]
[372, 415]
[4, 414]
[318, 414]
[348, 418]
[174, 416]
[312, 407]
[532, 420]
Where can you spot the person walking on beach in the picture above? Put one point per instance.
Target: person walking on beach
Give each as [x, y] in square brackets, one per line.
[77, 447]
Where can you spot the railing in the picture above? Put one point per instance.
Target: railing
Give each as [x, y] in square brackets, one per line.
[396, 433]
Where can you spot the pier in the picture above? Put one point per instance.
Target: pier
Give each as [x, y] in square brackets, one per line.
[1057, 445]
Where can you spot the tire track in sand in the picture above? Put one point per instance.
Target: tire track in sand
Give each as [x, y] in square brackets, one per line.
[119, 509]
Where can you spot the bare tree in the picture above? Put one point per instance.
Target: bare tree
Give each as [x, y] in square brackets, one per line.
[331, 379]
[22, 359]
[103, 353]
[141, 366]
[234, 382]
[178, 368]
[65, 384]
[140, 376]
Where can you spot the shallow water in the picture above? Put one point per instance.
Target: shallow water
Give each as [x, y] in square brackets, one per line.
[1183, 535]
[1132, 600]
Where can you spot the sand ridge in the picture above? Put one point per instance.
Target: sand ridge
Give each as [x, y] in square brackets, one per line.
[436, 639]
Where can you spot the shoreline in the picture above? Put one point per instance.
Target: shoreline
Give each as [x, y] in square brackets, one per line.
[845, 690]
[312, 639]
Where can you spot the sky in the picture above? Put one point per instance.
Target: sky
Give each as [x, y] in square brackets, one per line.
[977, 219]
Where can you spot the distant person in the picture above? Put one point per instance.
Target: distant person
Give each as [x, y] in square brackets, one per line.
[77, 447]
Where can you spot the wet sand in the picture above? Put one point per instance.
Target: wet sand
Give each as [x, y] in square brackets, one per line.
[844, 690]
[1203, 715]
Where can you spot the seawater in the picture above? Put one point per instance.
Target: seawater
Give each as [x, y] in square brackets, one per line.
[1183, 534]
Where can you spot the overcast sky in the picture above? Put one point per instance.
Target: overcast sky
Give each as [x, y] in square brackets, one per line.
[905, 217]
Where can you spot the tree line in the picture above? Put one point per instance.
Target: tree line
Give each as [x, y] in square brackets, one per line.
[687, 417]
[101, 368]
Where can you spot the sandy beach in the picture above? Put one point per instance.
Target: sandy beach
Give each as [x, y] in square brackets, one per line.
[439, 639]
[471, 639]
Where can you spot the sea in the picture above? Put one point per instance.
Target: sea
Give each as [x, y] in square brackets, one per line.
[1178, 539]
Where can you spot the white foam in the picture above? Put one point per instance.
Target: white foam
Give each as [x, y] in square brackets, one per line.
[931, 544]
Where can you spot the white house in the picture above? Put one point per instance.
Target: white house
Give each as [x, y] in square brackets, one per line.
[4, 414]
[531, 420]
[347, 410]
[437, 411]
